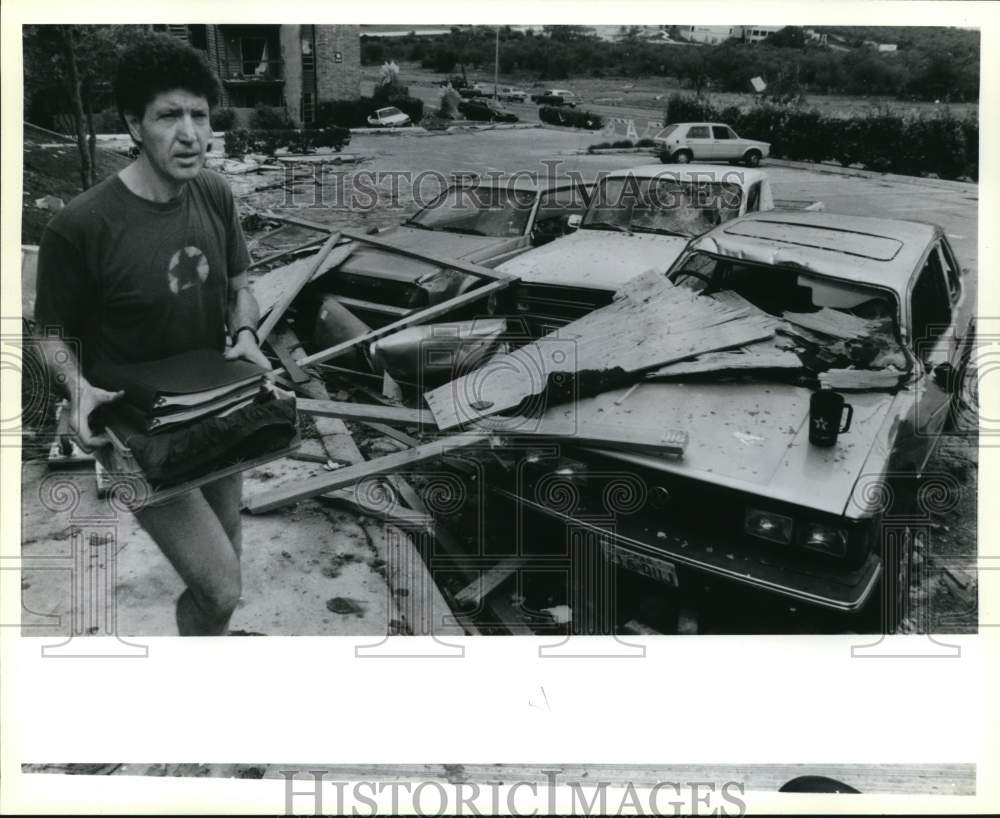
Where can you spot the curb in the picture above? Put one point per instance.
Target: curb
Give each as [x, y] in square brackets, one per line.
[823, 167]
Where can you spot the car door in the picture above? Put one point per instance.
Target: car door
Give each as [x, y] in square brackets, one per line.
[937, 340]
[699, 141]
[723, 144]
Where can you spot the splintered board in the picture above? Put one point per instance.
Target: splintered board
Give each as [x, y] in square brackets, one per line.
[649, 324]
[860, 379]
[833, 323]
[758, 356]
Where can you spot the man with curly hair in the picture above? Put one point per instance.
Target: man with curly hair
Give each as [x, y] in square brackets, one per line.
[149, 263]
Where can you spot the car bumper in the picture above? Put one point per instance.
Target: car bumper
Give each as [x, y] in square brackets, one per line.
[828, 586]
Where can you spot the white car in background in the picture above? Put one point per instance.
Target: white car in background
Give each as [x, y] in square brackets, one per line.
[684, 142]
[389, 118]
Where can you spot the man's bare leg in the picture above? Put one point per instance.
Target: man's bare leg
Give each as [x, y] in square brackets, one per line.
[192, 537]
[225, 496]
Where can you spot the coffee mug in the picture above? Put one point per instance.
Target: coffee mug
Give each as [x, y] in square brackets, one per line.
[826, 414]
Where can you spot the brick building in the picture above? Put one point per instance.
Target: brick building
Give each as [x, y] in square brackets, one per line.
[292, 66]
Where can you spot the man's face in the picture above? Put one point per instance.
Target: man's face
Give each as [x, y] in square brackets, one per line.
[175, 134]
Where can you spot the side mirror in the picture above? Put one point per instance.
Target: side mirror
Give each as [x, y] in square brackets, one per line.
[946, 377]
[573, 222]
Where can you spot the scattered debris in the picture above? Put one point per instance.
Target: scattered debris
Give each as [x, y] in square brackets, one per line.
[561, 614]
[50, 202]
[344, 606]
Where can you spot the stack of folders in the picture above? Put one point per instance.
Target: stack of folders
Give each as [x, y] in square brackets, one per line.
[166, 394]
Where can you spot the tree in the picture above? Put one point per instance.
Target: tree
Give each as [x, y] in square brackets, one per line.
[75, 63]
[788, 37]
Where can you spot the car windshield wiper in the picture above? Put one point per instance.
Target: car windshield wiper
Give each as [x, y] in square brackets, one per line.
[607, 226]
[420, 225]
[465, 231]
[661, 231]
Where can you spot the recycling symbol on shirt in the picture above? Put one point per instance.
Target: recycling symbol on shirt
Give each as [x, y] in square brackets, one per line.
[188, 268]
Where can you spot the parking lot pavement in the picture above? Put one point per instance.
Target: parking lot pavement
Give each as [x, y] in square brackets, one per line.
[528, 150]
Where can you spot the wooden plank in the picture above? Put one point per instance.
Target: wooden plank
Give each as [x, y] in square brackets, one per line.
[284, 343]
[327, 254]
[860, 379]
[268, 501]
[831, 322]
[282, 253]
[412, 320]
[477, 270]
[581, 429]
[366, 412]
[395, 434]
[651, 324]
[485, 583]
[758, 356]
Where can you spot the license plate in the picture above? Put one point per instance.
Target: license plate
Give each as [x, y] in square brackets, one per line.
[652, 567]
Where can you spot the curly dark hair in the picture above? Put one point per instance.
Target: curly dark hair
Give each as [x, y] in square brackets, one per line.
[155, 63]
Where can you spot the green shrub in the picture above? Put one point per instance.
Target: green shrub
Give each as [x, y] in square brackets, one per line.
[109, 122]
[881, 140]
[354, 113]
[570, 117]
[266, 118]
[347, 113]
[645, 143]
[623, 143]
[223, 119]
[241, 141]
[688, 108]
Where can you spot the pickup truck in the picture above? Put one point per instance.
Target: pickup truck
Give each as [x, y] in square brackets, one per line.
[753, 502]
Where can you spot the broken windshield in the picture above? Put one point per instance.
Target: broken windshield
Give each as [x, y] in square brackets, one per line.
[664, 205]
[841, 332]
[478, 211]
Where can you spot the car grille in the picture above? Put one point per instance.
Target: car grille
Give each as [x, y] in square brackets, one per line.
[548, 307]
[378, 290]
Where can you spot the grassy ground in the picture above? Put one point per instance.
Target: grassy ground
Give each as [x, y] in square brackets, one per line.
[50, 168]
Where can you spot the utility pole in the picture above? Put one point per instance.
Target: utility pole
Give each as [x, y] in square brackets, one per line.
[496, 69]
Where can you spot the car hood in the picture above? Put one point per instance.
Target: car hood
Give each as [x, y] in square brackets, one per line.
[752, 436]
[596, 259]
[386, 264]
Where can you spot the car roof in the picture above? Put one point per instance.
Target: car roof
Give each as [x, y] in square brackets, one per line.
[862, 249]
[693, 172]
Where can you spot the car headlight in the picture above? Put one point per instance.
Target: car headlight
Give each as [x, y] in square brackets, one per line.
[828, 539]
[768, 526]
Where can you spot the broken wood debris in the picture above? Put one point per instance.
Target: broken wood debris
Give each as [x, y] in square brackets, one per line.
[858, 379]
[366, 412]
[268, 501]
[757, 356]
[650, 324]
[486, 582]
[834, 323]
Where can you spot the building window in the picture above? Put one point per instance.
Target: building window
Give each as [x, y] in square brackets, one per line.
[308, 49]
[308, 108]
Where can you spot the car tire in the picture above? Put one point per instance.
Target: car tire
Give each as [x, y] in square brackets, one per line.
[683, 157]
[665, 157]
[752, 158]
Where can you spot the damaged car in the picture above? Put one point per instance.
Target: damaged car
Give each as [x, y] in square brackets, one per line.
[638, 219]
[486, 222]
[873, 315]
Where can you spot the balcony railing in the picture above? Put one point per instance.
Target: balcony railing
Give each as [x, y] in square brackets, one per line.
[253, 71]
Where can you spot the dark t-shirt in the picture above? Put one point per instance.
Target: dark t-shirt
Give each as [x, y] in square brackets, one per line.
[136, 280]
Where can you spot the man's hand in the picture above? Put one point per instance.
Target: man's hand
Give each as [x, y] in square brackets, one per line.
[245, 347]
[88, 398]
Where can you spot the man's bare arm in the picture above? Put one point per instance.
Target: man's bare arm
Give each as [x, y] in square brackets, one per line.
[64, 372]
[244, 315]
